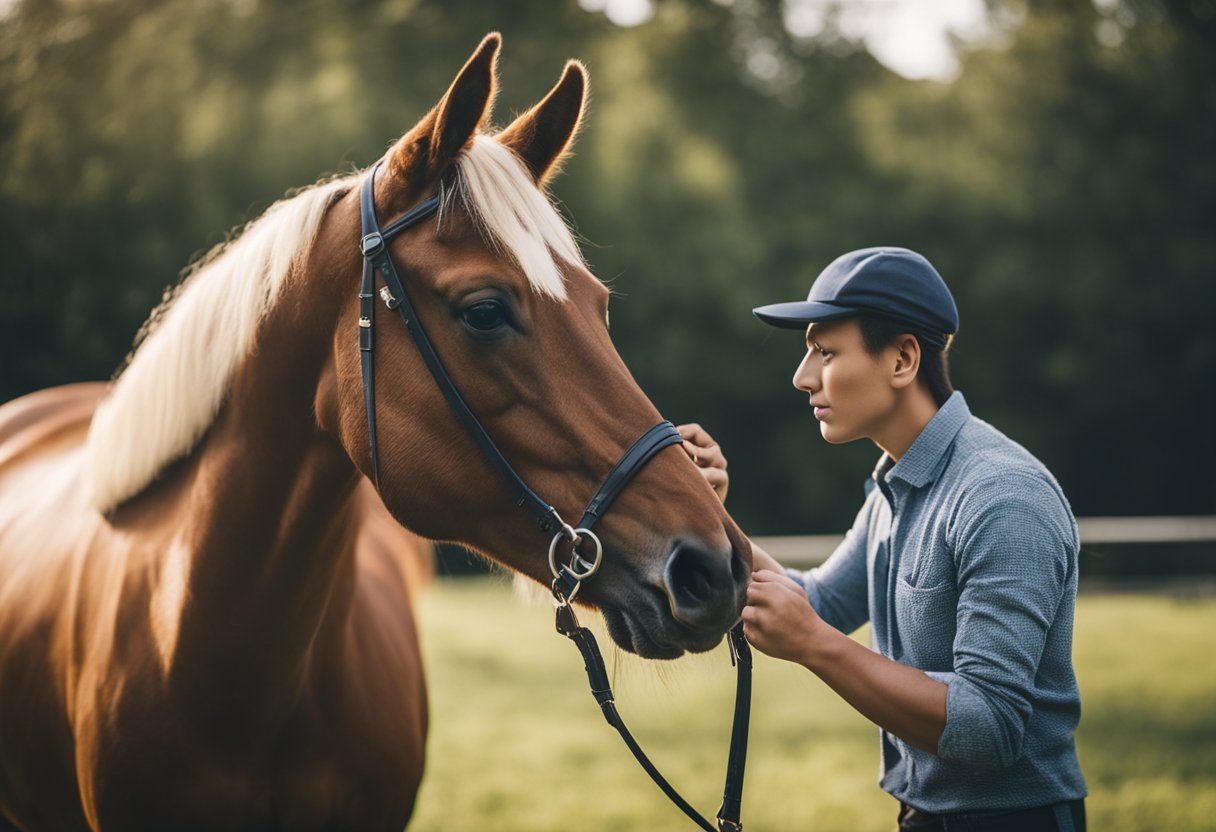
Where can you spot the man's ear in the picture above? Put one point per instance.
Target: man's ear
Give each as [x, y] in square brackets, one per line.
[907, 361]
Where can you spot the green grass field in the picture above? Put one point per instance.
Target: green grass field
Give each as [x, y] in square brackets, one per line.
[517, 742]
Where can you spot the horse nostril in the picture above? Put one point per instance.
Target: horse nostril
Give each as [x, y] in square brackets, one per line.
[703, 586]
[738, 569]
[693, 584]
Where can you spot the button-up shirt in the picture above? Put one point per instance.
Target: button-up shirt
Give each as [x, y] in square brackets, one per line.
[964, 560]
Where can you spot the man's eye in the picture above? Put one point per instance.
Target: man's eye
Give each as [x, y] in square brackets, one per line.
[485, 315]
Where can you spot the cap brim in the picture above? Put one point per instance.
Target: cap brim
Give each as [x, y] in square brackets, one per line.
[797, 314]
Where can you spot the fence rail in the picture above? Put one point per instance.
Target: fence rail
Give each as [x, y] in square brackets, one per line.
[804, 551]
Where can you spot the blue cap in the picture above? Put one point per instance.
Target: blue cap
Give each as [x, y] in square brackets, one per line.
[887, 282]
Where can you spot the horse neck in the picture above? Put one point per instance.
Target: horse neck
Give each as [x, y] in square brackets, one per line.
[271, 527]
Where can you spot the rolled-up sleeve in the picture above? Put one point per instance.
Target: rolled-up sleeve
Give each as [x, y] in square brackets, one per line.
[838, 588]
[1014, 546]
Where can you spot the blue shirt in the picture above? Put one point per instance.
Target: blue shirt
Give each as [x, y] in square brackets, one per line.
[964, 559]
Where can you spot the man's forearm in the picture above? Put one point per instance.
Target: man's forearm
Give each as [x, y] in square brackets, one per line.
[894, 696]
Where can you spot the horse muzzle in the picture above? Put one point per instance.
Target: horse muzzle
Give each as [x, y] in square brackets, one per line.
[705, 588]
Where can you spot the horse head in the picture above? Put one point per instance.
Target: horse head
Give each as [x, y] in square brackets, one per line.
[521, 327]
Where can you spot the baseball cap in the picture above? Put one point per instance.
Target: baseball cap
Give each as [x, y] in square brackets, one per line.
[888, 282]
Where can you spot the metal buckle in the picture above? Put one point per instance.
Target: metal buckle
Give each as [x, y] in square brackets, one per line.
[386, 295]
[372, 244]
[566, 621]
[574, 536]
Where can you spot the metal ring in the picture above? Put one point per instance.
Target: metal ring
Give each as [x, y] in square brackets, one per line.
[561, 600]
[564, 531]
[594, 565]
[574, 536]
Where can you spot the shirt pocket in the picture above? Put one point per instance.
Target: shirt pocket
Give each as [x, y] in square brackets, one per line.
[926, 620]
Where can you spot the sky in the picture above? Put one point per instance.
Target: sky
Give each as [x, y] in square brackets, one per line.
[910, 37]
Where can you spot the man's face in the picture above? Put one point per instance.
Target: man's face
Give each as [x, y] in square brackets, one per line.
[849, 388]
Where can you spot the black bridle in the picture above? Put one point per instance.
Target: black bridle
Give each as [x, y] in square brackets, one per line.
[567, 578]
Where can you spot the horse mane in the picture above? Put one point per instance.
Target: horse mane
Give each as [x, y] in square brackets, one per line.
[513, 214]
[175, 379]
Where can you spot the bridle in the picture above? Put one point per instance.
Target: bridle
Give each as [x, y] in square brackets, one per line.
[567, 577]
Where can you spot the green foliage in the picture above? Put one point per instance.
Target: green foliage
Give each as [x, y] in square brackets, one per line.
[517, 742]
[1064, 185]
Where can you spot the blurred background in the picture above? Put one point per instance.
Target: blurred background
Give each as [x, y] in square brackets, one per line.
[1056, 159]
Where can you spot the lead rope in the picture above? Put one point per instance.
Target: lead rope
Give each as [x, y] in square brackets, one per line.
[567, 579]
[597, 676]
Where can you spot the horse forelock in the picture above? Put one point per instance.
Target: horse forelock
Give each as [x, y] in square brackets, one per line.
[180, 369]
[515, 216]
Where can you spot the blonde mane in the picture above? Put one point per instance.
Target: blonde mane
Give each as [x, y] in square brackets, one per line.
[187, 352]
[497, 191]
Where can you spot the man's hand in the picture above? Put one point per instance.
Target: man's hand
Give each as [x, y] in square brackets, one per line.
[763, 560]
[778, 619]
[707, 456]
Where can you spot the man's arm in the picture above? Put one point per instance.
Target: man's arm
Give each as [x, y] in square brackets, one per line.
[1015, 546]
[780, 621]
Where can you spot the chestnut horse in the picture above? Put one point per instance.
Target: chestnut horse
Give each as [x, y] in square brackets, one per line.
[197, 630]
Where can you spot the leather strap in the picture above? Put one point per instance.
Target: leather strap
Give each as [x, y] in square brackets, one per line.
[374, 246]
[367, 308]
[367, 361]
[597, 677]
[732, 793]
[1063, 813]
[601, 689]
[651, 442]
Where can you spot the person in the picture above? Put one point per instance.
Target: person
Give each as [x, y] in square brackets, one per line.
[963, 558]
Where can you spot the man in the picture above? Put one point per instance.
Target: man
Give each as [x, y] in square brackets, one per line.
[963, 558]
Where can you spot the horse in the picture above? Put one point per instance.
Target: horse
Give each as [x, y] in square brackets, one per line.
[197, 628]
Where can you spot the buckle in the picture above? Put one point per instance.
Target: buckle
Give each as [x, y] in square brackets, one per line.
[386, 295]
[372, 244]
[579, 567]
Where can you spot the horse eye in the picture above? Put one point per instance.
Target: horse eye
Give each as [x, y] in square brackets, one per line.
[485, 315]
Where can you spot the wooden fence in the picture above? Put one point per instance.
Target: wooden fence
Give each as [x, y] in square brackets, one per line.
[805, 551]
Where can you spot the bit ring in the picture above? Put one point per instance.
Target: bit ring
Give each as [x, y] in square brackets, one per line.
[575, 535]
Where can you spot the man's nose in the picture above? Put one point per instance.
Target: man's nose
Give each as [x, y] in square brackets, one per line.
[806, 377]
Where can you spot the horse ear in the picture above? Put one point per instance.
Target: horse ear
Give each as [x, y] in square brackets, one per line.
[542, 135]
[423, 154]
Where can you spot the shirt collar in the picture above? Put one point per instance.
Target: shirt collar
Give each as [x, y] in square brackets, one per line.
[925, 459]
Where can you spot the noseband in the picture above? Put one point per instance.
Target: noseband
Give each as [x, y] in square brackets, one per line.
[567, 577]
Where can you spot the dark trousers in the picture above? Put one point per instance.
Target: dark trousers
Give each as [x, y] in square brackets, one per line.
[1061, 817]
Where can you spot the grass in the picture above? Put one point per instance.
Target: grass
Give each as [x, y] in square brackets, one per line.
[517, 742]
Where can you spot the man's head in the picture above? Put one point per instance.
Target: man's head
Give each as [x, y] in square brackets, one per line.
[885, 282]
[878, 322]
[934, 371]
